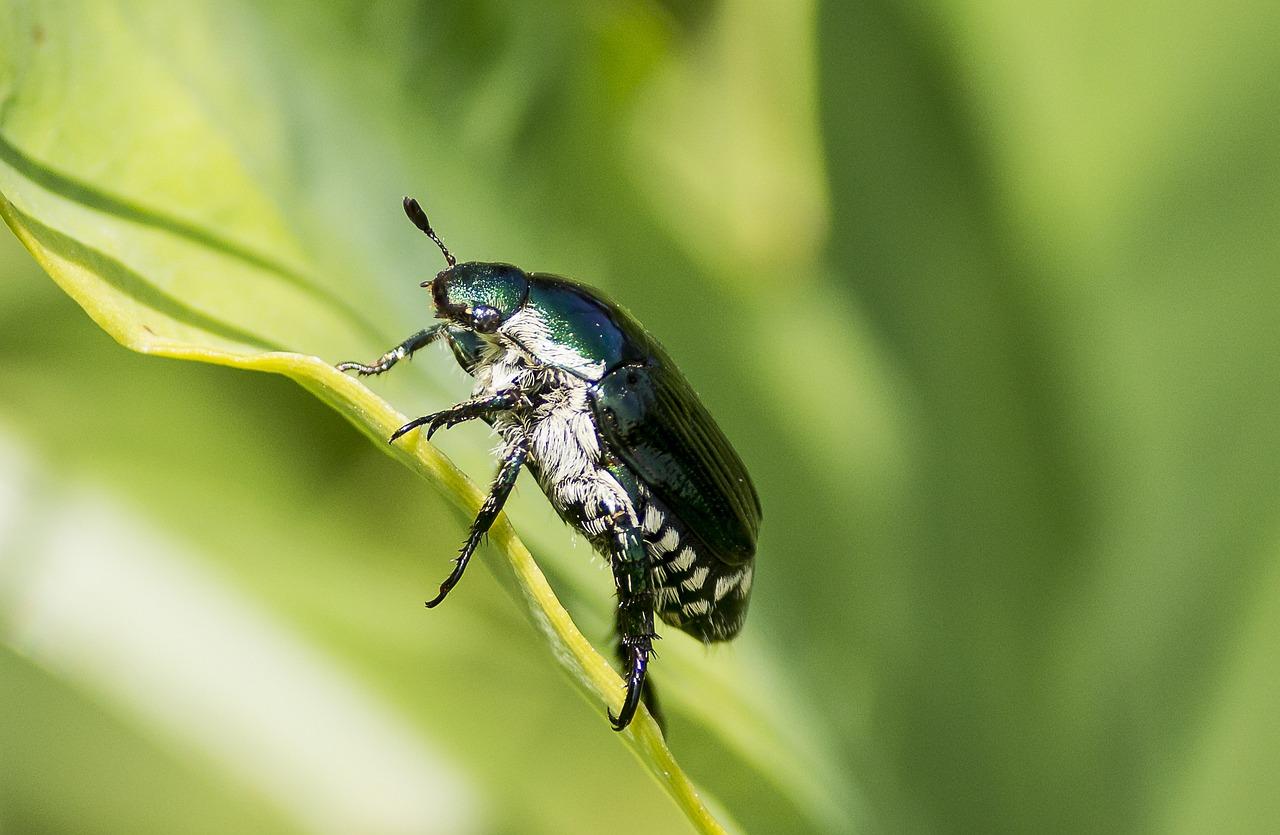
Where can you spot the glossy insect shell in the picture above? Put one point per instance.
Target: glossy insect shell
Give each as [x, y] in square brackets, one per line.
[461, 290]
[597, 336]
[647, 415]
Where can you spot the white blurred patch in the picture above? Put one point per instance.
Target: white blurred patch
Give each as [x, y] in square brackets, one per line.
[94, 595]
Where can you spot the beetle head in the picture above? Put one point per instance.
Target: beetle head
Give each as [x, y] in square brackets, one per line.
[477, 296]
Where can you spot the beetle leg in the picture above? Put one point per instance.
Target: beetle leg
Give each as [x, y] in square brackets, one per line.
[648, 692]
[635, 615]
[421, 339]
[467, 410]
[513, 457]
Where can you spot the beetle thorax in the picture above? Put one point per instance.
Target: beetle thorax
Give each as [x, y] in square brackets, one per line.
[564, 441]
[530, 332]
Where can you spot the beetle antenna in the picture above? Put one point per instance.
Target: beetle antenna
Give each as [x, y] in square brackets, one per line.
[419, 218]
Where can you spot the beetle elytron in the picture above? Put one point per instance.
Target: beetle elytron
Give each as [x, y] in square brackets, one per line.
[586, 399]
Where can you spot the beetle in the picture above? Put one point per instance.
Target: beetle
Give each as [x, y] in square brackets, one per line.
[592, 405]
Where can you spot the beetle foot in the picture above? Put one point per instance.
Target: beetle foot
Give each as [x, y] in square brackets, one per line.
[636, 652]
[360, 368]
[433, 422]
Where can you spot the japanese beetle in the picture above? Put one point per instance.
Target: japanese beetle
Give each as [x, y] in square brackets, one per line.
[586, 399]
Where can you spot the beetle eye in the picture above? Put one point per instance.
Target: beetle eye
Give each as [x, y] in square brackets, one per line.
[485, 319]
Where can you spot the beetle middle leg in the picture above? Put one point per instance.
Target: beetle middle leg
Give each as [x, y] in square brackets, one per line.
[478, 407]
[513, 458]
[635, 614]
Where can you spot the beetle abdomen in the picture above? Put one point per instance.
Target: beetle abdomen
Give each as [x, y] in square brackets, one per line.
[696, 592]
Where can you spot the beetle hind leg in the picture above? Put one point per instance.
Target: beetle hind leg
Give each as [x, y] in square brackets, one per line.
[648, 691]
[630, 565]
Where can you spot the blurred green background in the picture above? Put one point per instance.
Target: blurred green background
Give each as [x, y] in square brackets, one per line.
[986, 295]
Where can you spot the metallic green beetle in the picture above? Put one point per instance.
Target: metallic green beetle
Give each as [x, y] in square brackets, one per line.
[586, 399]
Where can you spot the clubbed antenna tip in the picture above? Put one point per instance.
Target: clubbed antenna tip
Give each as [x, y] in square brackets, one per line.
[419, 218]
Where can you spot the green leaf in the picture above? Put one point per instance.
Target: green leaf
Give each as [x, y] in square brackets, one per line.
[221, 185]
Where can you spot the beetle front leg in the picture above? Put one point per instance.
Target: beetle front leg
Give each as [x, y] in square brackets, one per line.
[467, 410]
[513, 458]
[635, 616]
[421, 339]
